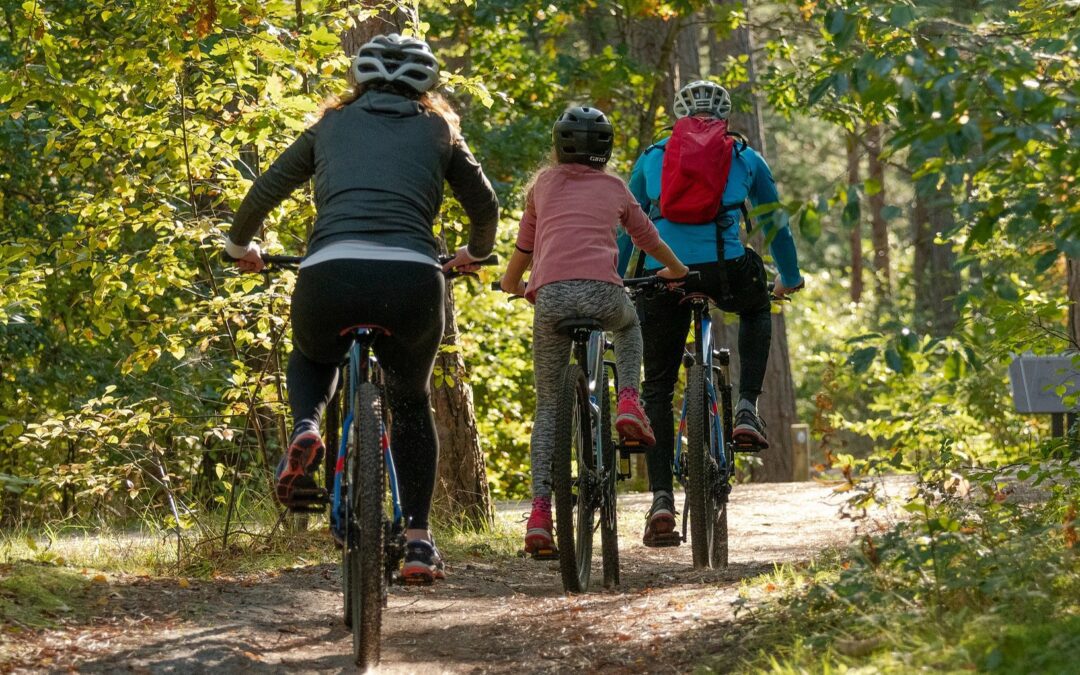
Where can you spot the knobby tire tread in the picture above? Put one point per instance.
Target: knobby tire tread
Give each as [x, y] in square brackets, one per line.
[368, 475]
[609, 527]
[562, 477]
[697, 443]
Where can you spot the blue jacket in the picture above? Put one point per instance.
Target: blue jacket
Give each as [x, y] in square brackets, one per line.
[750, 177]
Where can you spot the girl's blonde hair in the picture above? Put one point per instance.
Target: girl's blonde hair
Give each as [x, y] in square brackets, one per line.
[431, 101]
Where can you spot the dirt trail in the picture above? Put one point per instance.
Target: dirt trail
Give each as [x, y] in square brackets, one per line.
[507, 615]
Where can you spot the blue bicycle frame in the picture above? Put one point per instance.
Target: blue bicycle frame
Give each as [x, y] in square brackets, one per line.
[359, 366]
[717, 435]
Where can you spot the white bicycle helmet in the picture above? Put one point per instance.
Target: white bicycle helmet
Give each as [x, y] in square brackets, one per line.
[397, 59]
[702, 96]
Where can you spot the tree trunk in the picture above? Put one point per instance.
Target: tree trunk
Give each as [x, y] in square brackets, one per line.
[880, 231]
[652, 45]
[936, 280]
[777, 402]
[1073, 271]
[688, 52]
[746, 115]
[856, 227]
[461, 489]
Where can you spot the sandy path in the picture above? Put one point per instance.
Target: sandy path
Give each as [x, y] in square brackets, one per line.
[491, 616]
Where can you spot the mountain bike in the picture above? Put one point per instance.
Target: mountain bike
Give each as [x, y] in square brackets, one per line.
[361, 485]
[585, 467]
[706, 465]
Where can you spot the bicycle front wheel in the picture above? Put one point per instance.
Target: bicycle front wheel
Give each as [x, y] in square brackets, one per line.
[701, 471]
[367, 479]
[572, 471]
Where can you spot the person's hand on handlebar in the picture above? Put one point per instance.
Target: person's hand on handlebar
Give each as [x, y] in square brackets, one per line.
[462, 262]
[248, 259]
[674, 272]
[781, 291]
[511, 287]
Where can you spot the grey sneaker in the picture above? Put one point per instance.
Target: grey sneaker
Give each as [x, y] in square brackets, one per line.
[749, 433]
[660, 523]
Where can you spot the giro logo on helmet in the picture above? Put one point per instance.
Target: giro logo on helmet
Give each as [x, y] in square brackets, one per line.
[394, 59]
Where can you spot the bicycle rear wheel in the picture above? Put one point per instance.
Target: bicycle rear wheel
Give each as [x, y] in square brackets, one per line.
[572, 465]
[367, 482]
[701, 471]
[609, 526]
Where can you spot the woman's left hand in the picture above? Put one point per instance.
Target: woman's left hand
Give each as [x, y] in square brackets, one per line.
[252, 260]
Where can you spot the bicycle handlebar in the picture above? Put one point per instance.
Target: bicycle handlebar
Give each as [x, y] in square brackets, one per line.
[293, 261]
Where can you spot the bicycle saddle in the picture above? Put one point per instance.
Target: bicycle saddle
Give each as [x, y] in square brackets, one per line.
[578, 322]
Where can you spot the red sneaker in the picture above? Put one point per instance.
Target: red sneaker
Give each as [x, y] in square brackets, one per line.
[539, 537]
[295, 485]
[632, 423]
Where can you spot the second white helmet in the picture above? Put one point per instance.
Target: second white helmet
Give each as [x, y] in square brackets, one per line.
[702, 96]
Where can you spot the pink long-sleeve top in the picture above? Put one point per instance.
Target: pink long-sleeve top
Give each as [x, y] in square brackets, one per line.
[570, 222]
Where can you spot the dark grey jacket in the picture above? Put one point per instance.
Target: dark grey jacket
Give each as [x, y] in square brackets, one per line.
[379, 165]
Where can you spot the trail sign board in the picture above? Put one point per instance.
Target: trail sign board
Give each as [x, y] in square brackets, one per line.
[1037, 382]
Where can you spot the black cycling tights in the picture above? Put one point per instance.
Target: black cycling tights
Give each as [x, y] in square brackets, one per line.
[405, 298]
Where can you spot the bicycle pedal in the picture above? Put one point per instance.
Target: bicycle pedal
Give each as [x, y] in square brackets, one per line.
[546, 554]
[666, 540]
[308, 500]
[749, 447]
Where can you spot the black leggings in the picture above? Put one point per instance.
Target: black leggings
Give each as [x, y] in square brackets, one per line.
[405, 298]
[664, 327]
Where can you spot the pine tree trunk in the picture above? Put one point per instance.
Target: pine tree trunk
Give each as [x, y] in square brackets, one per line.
[777, 403]
[461, 489]
[1073, 272]
[652, 45]
[936, 280]
[880, 231]
[856, 227]
[688, 52]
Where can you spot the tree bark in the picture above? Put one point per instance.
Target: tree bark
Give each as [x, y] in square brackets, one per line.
[746, 114]
[652, 44]
[936, 279]
[880, 229]
[856, 227]
[688, 52]
[1073, 272]
[777, 402]
[461, 488]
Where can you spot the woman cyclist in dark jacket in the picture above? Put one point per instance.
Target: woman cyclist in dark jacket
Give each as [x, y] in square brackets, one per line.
[379, 158]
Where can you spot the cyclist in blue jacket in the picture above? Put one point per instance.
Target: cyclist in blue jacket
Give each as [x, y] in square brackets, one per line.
[737, 284]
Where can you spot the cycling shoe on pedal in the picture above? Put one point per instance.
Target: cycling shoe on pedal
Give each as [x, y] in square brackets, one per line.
[631, 421]
[539, 539]
[296, 488]
[749, 432]
[423, 564]
[660, 523]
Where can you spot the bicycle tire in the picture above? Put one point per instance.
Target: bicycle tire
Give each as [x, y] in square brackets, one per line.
[573, 521]
[719, 557]
[702, 507]
[609, 513]
[367, 472]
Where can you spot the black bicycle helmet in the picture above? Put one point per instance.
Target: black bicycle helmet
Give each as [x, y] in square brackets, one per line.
[396, 60]
[583, 135]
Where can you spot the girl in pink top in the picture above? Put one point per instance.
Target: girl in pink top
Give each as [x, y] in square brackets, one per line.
[568, 235]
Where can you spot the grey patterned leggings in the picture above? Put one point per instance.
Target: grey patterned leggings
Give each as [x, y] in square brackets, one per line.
[608, 304]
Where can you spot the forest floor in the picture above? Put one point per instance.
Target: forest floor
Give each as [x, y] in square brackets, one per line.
[492, 614]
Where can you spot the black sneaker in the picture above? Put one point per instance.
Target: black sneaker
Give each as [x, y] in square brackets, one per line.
[660, 523]
[749, 433]
[423, 563]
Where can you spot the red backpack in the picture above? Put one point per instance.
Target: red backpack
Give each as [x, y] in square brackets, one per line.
[697, 160]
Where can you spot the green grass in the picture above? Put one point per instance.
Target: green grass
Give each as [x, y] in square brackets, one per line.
[1000, 593]
[35, 595]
